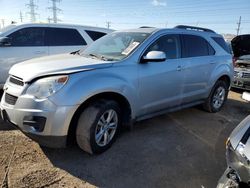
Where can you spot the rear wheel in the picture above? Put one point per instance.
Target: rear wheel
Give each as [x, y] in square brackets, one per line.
[98, 126]
[217, 97]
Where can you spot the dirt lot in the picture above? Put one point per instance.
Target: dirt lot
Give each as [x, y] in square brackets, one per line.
[181, 149]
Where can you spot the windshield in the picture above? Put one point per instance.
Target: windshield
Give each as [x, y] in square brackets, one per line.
[115, 46]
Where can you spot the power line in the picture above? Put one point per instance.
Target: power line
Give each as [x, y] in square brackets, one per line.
[55, 10]
[32, 6]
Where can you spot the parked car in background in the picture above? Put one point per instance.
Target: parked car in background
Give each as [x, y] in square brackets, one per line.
[241, 50]
[121, 78]
[237, 174]
[26, 41]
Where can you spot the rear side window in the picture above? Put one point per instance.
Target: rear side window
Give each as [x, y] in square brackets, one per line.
[222, 43]
[195, 46]
[94, 35]
[64, 37]
[170, 44]
[32, 36]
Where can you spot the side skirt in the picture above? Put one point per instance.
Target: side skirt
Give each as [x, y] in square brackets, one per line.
[164, 111]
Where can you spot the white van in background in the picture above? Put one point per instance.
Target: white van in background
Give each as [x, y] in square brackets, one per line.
[26, 41]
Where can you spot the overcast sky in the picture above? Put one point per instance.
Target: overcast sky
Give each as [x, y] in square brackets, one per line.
[221, 16]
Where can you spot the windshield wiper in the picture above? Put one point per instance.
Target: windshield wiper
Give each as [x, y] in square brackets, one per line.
[76, 52]
[100, 57]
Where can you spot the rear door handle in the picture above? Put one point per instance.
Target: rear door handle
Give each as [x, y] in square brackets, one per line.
[212, 62]
[40, 52]
[179, 68]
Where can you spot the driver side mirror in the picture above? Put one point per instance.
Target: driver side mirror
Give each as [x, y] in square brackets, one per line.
[5, 41]
[154, 56]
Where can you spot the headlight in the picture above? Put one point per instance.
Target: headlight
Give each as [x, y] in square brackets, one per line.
[45, 87]
[240, 149]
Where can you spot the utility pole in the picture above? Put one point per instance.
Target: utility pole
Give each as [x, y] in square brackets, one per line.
[166, 24]
[55, 10]
[49, 19]
[238, 28]
[2, 22]
[32, 12]
[21, 16]
[108, 24]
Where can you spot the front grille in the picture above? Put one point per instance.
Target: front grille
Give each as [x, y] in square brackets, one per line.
[10, 99]
[241, 74]
[245, 75]
[247, 84]
[236, 73]
[16, 81]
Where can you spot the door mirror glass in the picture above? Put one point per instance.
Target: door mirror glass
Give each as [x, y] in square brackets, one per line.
[5, 41]
[154, 56]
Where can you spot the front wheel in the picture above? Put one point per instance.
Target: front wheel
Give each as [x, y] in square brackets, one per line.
[217, 97]
[98, 126]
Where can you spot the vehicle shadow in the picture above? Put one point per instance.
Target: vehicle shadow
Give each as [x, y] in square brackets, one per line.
[237, 90]
[4, 126]
[160, 150]
[1, 93]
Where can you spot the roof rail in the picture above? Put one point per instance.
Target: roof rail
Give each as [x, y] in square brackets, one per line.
[187, 27]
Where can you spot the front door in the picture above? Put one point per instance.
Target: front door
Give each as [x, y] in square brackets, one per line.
[25, 44]
[160, 83]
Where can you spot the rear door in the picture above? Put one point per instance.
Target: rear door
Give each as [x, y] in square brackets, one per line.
[64, 40]
[198, 61]
[26, 43]
[95, 35]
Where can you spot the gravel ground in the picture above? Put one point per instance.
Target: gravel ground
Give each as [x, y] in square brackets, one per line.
[181, 149]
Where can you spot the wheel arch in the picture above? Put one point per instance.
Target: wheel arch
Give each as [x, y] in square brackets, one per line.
[119, 98]
[226, 79]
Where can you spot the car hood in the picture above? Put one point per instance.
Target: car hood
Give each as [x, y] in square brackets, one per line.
[56, 64]
[242, 130]
[241, 45]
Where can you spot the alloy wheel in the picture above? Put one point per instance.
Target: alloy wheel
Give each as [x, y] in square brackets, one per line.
[106, 127]
[219, 97]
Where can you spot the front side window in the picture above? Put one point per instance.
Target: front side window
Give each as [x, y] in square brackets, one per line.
[195, 46]
[33, 36]
[115, 46]
[64, 37]
[170, 44]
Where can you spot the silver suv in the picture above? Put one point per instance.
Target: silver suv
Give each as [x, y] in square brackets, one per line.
[121, 78]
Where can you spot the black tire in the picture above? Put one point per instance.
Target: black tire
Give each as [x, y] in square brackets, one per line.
[209, 106]
[88, 122]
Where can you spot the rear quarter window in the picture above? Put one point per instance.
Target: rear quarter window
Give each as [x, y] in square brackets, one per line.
[94, 35]
[220, 41]
[64, 37]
